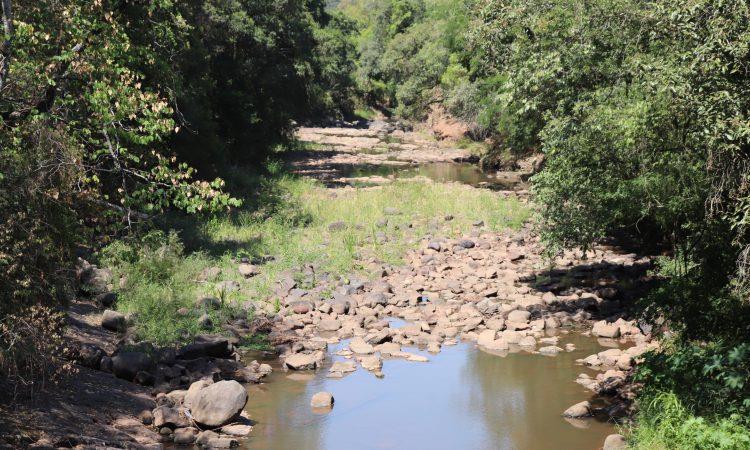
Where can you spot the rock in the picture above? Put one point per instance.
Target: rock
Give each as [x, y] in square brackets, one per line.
[301, 307]
[206, 303]
[497, 345]
[322, 400]
[606, 330]
[551, 323]
[106, 299]
[191, 395]
[165, 416]
[434, 245]
[90, 355]
[343, 367]
[527, 341]
[301, 361]
[126, 365]
[551, 350]
[519, 316]
[247, 270]
[337, 226]
[146, 417]
[221, 442]
[329, 325]
[372, 363]
[466, 243]
[206, 345]
[205, 322]
[495, 324]
[373, 299]
[416, 358]
[95, 281]
[486, 337]
[265, 369]
[582, 409]
[358, 345]
[615, 442]
[219, 403]
[113, 320]
[237, 430]
[185, 436]
[389, 348]
[205, 436]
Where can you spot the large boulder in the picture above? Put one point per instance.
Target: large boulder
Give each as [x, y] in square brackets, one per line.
[126, 365]
[113, 320]
[606, 330]
[206, 346]
[219, 403]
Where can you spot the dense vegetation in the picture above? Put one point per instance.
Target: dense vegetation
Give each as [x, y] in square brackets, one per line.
[113, 112]
[640, 109]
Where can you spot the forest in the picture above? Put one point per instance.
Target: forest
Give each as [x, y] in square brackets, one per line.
[120, 118]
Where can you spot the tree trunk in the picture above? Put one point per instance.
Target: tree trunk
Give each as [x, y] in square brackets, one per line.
[5, 49]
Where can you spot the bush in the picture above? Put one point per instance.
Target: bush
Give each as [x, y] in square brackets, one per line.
[33, 350]
[664, 423]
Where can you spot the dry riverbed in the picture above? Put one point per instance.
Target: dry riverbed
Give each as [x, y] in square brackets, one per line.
[461, 290]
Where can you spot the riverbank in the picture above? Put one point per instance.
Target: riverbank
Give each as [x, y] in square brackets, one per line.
[320, 266]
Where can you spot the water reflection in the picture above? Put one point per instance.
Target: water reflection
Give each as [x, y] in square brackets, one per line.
[462, 398]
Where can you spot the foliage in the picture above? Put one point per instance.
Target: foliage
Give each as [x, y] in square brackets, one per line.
[665, 423]
[33, 350]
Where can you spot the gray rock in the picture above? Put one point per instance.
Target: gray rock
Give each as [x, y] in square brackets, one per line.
[106, 299]
[165, 416]
[126, 365]
[434, 245]
[113, 320]
[219, 403]
[615, 442]
[466, 243]
[582, 409]
[206, 345]
[90, 355]
[185, 436]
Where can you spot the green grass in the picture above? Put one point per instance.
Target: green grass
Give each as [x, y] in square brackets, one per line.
[366, 113]
[288, 218]
[664, 423]
[478, 149]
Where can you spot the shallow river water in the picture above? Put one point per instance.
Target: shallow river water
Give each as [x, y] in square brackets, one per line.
[463, 398]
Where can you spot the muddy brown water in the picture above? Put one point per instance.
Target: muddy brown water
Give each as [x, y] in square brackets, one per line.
[463, 398]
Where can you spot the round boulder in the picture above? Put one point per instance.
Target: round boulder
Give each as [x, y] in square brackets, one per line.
[219, 403]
